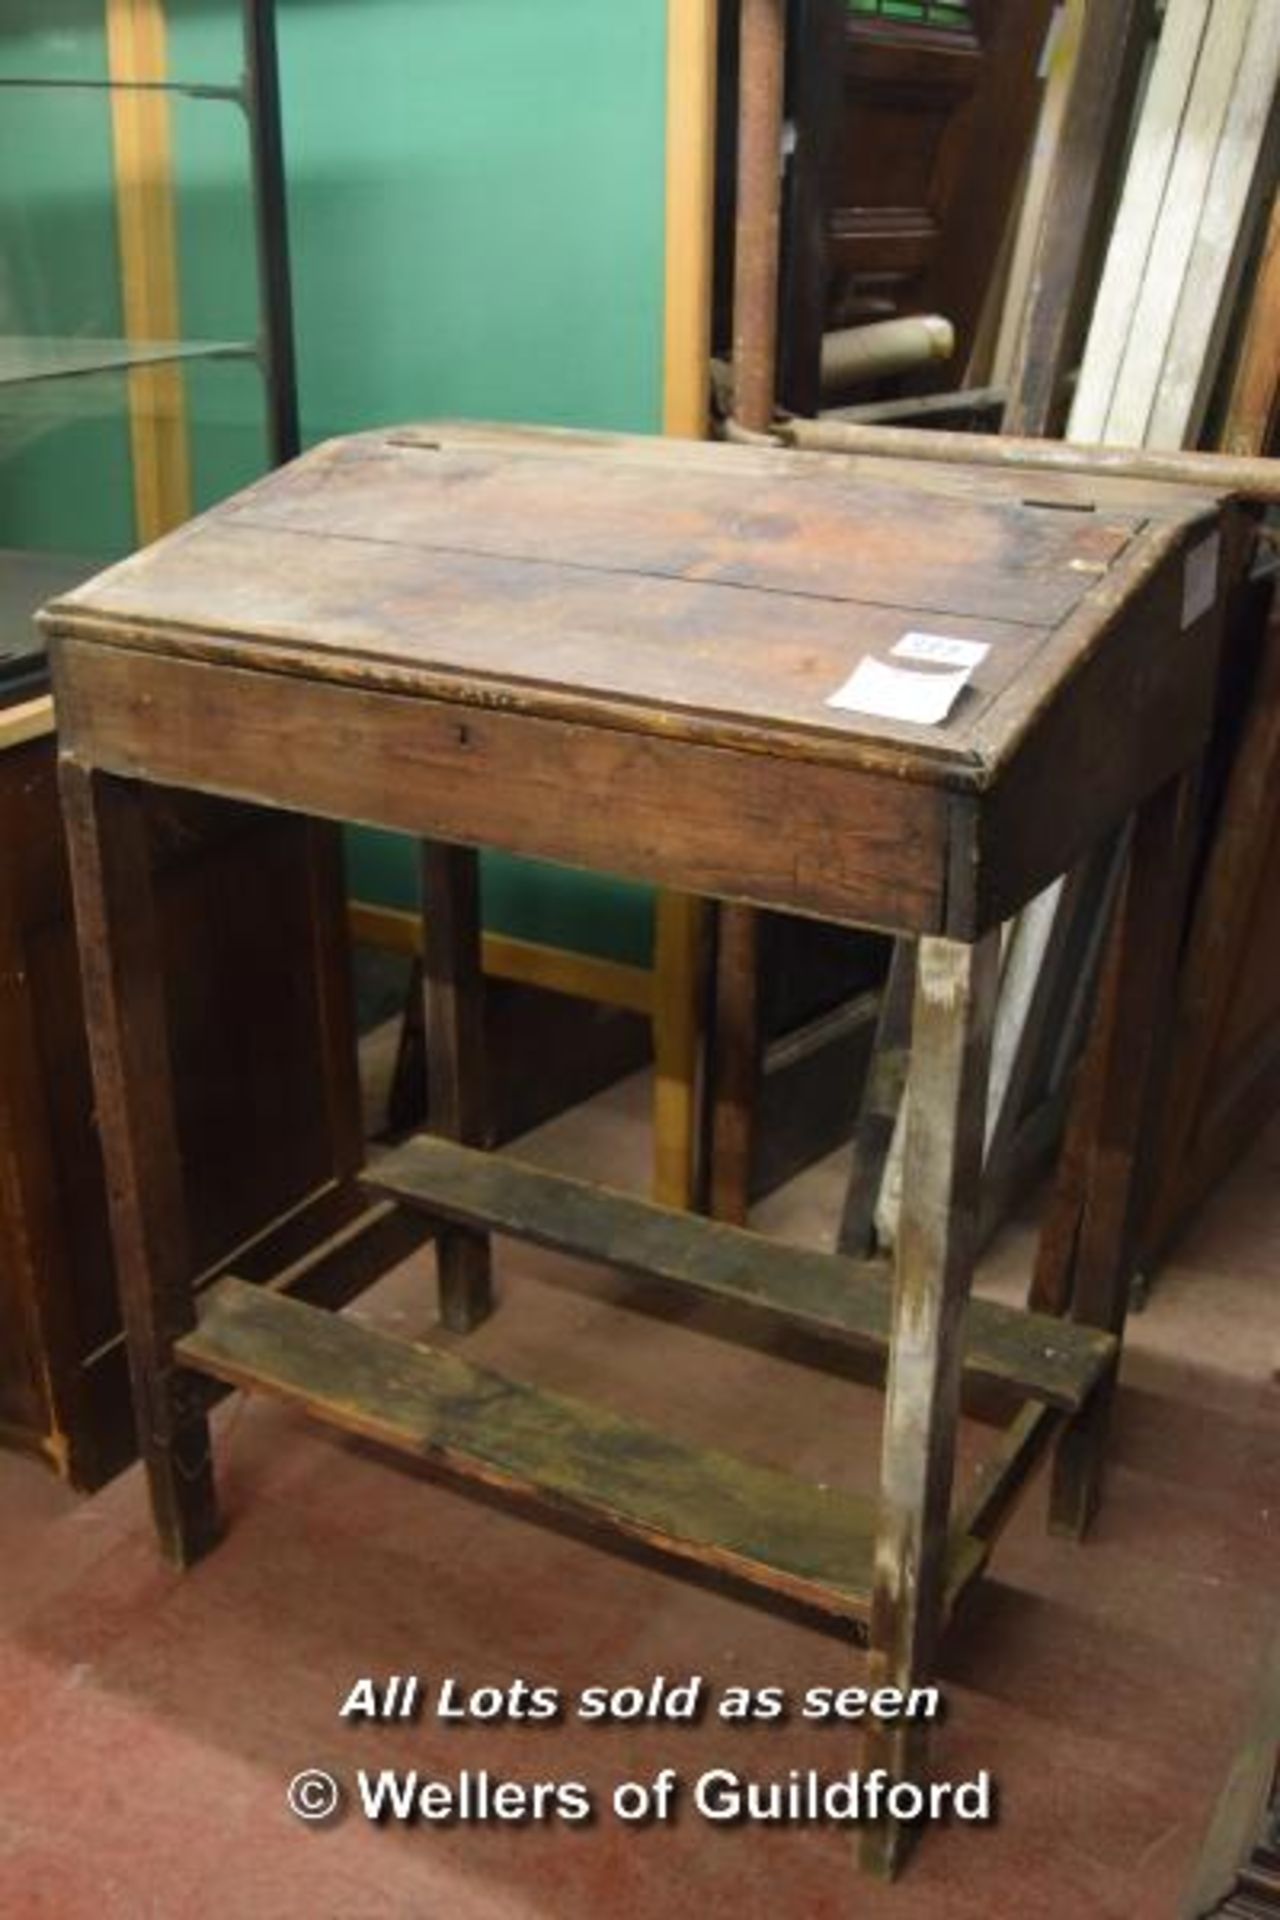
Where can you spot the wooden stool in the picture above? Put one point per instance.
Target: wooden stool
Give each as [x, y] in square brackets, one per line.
[618, 653]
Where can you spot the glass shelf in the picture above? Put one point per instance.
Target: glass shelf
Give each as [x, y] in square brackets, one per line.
[191, 89]
[26, 359]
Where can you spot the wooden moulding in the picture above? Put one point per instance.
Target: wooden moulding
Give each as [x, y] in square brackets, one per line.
[1049, 1360]
[810, 1545]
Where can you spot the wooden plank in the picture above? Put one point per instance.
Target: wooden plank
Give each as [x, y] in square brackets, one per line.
[822, 1292]
[1141, 373]
[1151, 917]
[1050, 1289]
[457, 1059]
[1254, 404]
[479, 584]
[992, 1501]
[137, 1125]
[933, 1272]
[999, 561]
[1237, 869]
[29, 720]
[1063, 273]
[1141, 203]
[1008, 294]
[1245, 156]
[811, 1544]
[734, 1059]
[674, 997]
[839, 844]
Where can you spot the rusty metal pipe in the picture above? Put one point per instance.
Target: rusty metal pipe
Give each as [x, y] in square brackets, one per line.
[1215, 472]
[762, 72]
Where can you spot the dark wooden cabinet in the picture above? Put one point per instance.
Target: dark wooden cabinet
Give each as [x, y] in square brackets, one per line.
[253, 924]
[909, 142]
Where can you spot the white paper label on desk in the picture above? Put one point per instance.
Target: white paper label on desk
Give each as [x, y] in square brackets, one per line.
[941, 649]
[1200, 579]
[899, 693]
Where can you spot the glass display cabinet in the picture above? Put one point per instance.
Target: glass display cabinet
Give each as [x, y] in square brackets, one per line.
[146, 342]
[146, 369]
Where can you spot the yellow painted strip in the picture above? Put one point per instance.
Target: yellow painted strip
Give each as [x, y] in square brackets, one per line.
[611, 983]
[29, 721]
[141, 136]
[691, 126]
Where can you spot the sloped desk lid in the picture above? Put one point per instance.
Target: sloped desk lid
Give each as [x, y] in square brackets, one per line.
[722, 592]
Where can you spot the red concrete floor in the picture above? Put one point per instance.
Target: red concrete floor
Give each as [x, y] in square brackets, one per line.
[151, 1721]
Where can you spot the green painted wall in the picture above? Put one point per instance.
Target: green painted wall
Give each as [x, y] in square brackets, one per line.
[478, 207]
[476, 199]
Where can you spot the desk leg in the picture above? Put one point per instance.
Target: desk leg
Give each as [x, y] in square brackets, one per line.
[735, 1059]
[457, 1093]
[137, 1125]
[955, 994]
[1127, 1069]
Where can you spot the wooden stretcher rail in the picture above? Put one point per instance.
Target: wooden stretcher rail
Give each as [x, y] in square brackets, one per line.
[1049, 1360]
[812, 1545]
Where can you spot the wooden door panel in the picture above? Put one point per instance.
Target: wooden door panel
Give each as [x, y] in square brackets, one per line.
[913, 153]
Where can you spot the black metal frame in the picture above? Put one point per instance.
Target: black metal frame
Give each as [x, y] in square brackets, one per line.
[277, 352]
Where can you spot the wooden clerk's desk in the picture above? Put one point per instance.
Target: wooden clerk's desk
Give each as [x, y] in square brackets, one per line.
[618, 653]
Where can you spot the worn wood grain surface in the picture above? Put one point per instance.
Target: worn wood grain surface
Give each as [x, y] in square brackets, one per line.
[810, 1544]
[525, 618]
[456, 1058]
[838, 843]
[508, 573]
[850, 1299]
[125, 1010]
[955, 994]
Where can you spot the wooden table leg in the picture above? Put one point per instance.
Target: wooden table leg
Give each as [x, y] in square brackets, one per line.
[677, 951]
[457, 1090]
[734, 1059]
[137, 1126]
[955, 998]
[1145, 970]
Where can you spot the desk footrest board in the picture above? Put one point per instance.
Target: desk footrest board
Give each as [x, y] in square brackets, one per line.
[1053, 1361]
[813, 1545]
